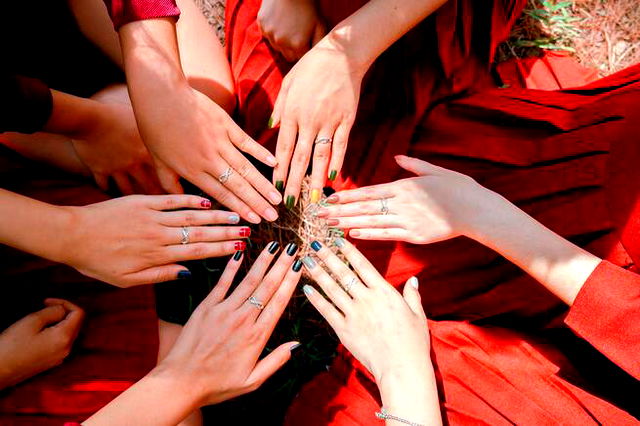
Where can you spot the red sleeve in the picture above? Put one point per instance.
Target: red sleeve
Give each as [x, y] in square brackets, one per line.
[125, 11]
[606, 313]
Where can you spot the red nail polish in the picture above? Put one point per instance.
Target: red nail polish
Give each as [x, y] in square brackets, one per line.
[245, 232]
[333, 222]
[206, 204]
[239, 245]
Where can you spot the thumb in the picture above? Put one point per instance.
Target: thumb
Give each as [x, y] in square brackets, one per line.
[271, 363]
[412, 296]
[318, 32]
[417, 166]
[158, 274]
[47, 316]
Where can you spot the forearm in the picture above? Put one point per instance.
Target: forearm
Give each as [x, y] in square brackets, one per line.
[71, 115]
[158, 399]
[559, 265]
[377, 25]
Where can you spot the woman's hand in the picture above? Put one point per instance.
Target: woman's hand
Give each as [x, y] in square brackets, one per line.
[139, 239]
[315, 109]
[437, 205]
[292, 27]
[39, 341]
[397, 353]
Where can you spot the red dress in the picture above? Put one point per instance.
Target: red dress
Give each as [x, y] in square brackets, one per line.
[545, 151]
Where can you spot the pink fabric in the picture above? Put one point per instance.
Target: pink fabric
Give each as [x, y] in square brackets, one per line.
[125, 11]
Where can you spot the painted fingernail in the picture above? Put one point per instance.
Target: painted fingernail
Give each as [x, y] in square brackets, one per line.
[308, 290]
[233, 218]
[205, 204]
[271, 160]
[333, 222]
[291, 201]
[295, 348]
[316, 245]
[309, 262]
[184, 275]
[239, 245]
[253, 218]
[354, 233]
[237, 255]
[270, 122]
[413, 281]
[297, 265]
[322, 213]
[270, 214]
[315, 195]
[275, 197]
[339, 242]
[332, 199]
[279, 185]
[291, 249]
[333, 175]
[273, 247]
[245, 232]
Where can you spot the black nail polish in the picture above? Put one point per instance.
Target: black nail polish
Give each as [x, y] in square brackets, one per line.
[295, 348]
[273, 247]
[291, 249]
[316, 246]
[279, 185]
[237, 255]
[184, 275]
[297, 265]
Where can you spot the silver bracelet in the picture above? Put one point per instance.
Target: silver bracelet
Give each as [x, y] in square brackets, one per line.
[383, 415]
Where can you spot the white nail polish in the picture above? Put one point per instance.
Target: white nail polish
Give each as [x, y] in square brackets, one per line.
[307, 289]
[413, 281]
[234, 218]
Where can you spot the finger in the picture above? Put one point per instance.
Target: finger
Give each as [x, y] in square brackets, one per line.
[47, 316]
[102, 181]
[196, 251]
[71, 323]
[289, 54]
[245, 143]
[417, 166]
[367, 272]
[205, 234]
[244, 168]
[298, 167]
[254, 276]
[284, 151]
[267, 366]
[318, 32]
[357, 208]
[123, 183]
[412, 297]
[380, 221]
[158, 274]
[326, 309]
[214, 188]
[321, 155]
[367, 193]
[68, 306]
[381, 234]
[198, 218]
[175, 202]
[332, 289]
[278, 105]
[279, 301]
[339, 147]
[344, 274]
[169, 180]
[221, 289]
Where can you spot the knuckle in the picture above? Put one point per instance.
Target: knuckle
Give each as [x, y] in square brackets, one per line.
[189, 218]
[198, 251]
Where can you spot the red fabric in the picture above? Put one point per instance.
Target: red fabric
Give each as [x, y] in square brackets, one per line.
[125, 11]
[545, 151]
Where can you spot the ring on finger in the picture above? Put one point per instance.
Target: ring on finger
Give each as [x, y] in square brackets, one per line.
[256, 303]
[224, 177]
[347, 287]
[184, 231]
[384, 206]
[323, 140]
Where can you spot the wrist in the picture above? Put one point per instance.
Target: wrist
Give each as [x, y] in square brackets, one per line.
[68, 233]
[340, 40]
[183, 380]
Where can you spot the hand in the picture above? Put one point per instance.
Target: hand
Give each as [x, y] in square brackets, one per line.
[138, 239]
[225, 364]
[437, 205]
[110, 146]
[317, 104]
[292, 27]
[39, 341]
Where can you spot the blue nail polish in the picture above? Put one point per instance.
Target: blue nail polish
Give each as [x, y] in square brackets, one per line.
[273, 247]
[184, 275]
[307, 289]
[339, 242]
[291, 249]
[413, 282]
[309, 262]
[297, 265]
[316, 246]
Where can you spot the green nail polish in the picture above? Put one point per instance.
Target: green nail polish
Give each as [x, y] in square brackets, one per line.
[291, 201]
[333, 175]
[279, 185]
[270, 122]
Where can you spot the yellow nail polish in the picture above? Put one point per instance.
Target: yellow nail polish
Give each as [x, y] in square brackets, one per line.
[315, 195]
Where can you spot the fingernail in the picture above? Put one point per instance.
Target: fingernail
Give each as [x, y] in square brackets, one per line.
[291, 201]
[339, 242]
[309, 262]
[315, 195]
[322, 213]
[239, 245]
[273, 247]
[354, 233]
[271, 160]
[245, 232]
[270, 214]
[205, 204]
[413, 281]
[297, 265]
[291, 249]
[237, 255]
[279, 185]
[184, 275]
[316, 246]
[275, 197]
[332, 199]
[295, 348]
[270, 122]
[253, 218]
[233, 218]
[333, 222]
[307, 289]
[333, 175]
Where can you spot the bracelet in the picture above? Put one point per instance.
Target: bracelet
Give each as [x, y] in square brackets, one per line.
[383, 415]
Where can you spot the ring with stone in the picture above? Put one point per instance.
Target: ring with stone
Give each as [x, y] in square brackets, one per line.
[224, 177]
[185, 235]
[255, 302]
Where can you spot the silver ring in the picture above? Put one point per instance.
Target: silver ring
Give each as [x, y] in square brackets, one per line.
[185, 235]
[255, 302]
[224, 177]
[350, 284]
[384, 206]
[323, 140]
